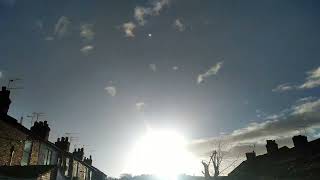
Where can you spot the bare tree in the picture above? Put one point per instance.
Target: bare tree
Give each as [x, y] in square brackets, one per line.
[206, 172]
[216, 158]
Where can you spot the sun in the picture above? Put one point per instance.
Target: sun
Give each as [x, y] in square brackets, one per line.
[162, 153]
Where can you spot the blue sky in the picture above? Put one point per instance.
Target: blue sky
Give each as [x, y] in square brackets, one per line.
[103, 69]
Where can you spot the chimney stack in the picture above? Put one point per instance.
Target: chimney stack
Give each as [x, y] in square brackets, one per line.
[79, 153]
[41, 129]
[300, 142]
[251, 155]
[4, 101]
[63, 144]
[88, 160]
[272, 146]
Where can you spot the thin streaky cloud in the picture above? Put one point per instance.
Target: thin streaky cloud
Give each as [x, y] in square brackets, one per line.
[303, 116]
[128, 29]
[87, 49]
[283, 87]
[178, 25]
[313, 79]
[212, 71]
[140, 106]
[111, 90]
[87, 32]
[61, 28]
[153, 67]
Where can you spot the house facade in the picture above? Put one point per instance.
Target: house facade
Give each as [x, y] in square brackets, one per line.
[300, 162]
[28, 154]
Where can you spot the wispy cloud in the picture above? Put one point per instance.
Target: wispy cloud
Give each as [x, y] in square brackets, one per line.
[61, 28]
[141, 13]
[175, 68]
[282, 127]
[87, 49]
[283, 87]
[111, 90]
[212, 71]
[313, 79]
[178, 25]
[86, 32]
[128, 29]
[140, 106]
[153, 67]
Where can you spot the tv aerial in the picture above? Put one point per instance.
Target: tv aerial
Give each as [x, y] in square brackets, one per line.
[11, 82]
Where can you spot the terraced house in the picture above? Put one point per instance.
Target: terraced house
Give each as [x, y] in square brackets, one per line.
[28, 154]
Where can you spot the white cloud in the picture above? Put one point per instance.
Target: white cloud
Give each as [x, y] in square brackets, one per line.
[128, 29]
[86, 32]
[153, 67]
[140, 106]
[112, 91]
[158, 6]
[283, 87]
[140, 12]
[179, 25]
[303, 116]
[212, 71]
[313, 79]
[308, 105]
[61, 28]
[86, 49]
[175, 68]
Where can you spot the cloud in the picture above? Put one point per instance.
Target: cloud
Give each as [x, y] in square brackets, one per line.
[283, 87]
[308, 105]
[313, 79]
[86, 32]
[49, 38]
[140, 106]
[153, 67]
[61, 28]
[128, 29]
[175, 68]
[179, 25]
[87, 49]
[303, 116]
[140, 12]
[212, 71]
[112, 91]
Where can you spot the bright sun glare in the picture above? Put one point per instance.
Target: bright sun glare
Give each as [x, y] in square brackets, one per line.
[162, 153]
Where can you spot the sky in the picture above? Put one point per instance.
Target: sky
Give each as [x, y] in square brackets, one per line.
[103, 71]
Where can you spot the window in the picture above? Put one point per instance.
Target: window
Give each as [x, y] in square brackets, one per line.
[47, 157]
[66, 172]
[26, 153]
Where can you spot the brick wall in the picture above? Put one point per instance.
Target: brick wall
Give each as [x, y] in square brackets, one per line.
[12, 136]
[9, 137]
[35, 152]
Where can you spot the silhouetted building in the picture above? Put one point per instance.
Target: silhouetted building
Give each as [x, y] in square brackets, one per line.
[27, 154]
[300, 162]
